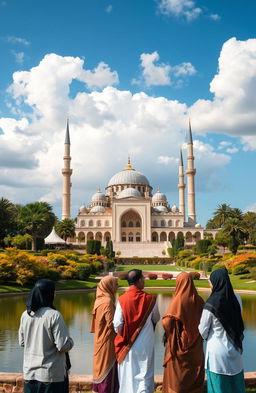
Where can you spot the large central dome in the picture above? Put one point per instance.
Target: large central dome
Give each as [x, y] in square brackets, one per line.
[128, 176]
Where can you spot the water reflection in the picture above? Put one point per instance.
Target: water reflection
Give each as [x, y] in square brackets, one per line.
[76, 310]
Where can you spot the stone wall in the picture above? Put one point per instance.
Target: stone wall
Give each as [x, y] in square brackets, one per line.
[13, 382]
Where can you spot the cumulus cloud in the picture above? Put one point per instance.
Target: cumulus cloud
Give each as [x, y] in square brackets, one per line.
[162, 74]
[178, 8]
[215, 17]
[232, 109]
[104, 125]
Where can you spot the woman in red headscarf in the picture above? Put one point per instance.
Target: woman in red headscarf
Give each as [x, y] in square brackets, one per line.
[184, 357]
[105, 379]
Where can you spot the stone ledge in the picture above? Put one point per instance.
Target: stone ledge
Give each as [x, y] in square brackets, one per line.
[13, 382]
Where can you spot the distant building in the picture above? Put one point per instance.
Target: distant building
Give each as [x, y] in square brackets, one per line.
[138, 222]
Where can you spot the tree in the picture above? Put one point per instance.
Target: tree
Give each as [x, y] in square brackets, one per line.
[8, 218]
[66, 228]
[222, 214]
[202, 245]
[249, 222]
[222, 239]
[109, 249]
[36, 219]
[237, 232]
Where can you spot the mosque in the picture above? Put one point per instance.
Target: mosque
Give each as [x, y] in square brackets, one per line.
[139, 222]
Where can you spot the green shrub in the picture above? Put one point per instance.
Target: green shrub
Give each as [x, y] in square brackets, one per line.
[53, 274]
[96, 266]
[83, 271]
[218, 266]
[202, 245]
[93, 247]
[240, 269]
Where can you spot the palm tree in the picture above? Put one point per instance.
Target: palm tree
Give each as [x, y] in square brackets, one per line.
[66, 228]
[236, 213]
[236, 230]
[36, 219]
[222, 214]
[249, 221]
[8, 218]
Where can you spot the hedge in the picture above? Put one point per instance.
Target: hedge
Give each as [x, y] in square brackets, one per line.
[144, 261]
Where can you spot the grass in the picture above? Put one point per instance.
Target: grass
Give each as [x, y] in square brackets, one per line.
[149, 268]
[60, 285]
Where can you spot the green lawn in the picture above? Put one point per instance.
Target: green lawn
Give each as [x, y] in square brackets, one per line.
[149, 268]
[60, 285]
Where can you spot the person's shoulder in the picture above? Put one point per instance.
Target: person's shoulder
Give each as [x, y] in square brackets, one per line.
[49, 312]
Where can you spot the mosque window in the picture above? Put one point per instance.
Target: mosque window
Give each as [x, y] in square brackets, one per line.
[137, 237]
[137, 224]
[162, 223]
[169, 223]
[154, 223]
[130, 224]
[123, 237]
[98, 223]
[130, 237]
[82, 223]
[91, 223]
[106, 223]
[123, 224]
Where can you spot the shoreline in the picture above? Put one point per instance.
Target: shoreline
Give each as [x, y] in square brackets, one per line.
[13, 382]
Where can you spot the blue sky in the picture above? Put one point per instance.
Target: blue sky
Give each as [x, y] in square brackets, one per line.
[128, 74]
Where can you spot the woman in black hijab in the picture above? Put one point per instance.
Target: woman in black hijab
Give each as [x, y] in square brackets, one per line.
[45, 339]
[222, 327]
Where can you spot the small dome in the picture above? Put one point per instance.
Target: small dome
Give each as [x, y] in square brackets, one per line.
[97, 209]
[129, 192]
[161, 209]
[98, 196]
[82, 208]
[159, 197]
[175, 209]
[198, 225]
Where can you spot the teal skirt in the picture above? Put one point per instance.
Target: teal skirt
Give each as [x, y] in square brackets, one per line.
[219, 383]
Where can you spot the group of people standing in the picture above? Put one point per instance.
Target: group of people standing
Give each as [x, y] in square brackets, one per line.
[123, 359]
[127, 333]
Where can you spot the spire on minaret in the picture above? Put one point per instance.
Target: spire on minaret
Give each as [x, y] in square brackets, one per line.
[191, 171]
[181, 158]
[189, 134]
[67, 138]
[66, 172]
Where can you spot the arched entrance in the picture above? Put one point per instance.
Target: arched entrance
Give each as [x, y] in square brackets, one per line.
[130, 222]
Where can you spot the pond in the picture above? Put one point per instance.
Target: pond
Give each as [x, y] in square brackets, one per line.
[76, 310]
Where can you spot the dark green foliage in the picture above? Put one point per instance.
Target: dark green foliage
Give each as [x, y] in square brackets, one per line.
[240, 269]
[202, 245]
[233, 244]
[83, 271]
[93, 247]
[109, 250]
[177, 244]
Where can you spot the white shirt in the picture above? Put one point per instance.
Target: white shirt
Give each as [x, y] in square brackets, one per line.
[221, 356]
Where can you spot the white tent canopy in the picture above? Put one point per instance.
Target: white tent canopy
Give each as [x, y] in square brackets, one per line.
[53, 238]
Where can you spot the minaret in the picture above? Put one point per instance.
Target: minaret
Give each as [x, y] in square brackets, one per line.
[181, 186]
[191, 180]
[66, 172]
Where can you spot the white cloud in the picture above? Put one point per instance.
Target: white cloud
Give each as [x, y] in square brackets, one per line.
[154, 75]
[232, 109]
[214, 17]
[19, 56]
[100, 77]
[232, 150]
[162, 74]
[250, 208]
[109, 9]
[184, 69]
[16, 40]
[178, 8]
[105, 126]
[224, 144]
